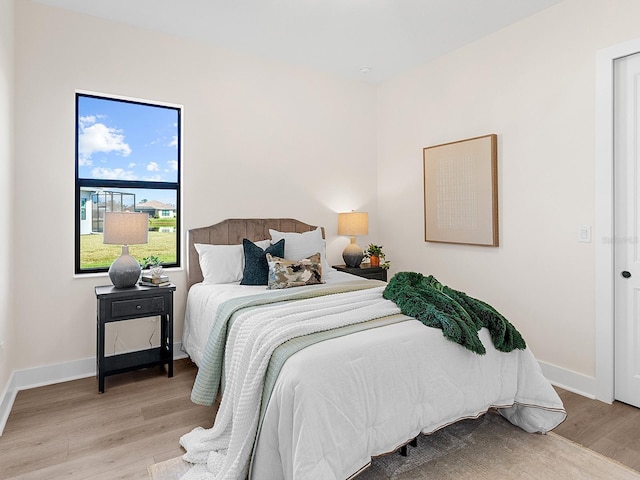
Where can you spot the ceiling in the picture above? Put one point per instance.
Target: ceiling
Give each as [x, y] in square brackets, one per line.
[369, 40]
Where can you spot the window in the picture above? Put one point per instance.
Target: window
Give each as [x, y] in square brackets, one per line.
[127, 159]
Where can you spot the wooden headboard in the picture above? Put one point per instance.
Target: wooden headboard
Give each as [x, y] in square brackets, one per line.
[231, 232]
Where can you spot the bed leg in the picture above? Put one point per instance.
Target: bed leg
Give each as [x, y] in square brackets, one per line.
[404, 450]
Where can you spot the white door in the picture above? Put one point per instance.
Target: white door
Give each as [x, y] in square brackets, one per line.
[627, 228]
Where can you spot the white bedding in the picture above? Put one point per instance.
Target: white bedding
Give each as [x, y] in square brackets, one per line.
[339, 402]
[203, 301]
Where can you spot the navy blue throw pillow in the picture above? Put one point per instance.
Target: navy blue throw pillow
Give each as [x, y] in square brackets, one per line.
[256, 269]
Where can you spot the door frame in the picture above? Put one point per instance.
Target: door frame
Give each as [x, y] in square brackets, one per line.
[604, 218]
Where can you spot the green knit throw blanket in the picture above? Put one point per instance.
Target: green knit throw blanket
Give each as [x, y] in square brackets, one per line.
[458, 315]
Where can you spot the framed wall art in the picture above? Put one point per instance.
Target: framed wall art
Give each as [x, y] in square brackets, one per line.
[461, 192]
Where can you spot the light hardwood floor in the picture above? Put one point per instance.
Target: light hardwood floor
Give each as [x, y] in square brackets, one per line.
[611, 430]
[70, 431]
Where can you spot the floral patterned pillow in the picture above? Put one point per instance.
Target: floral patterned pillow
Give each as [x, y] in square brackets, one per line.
[288, 273]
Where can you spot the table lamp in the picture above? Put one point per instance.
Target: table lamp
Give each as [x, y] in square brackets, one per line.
[352, 224]
[125, 228]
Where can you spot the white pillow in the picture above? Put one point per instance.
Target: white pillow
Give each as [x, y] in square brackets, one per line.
[302, 245]
[263, 244]
[220, 263]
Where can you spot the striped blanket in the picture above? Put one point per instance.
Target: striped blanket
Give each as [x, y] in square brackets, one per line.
[248, 330]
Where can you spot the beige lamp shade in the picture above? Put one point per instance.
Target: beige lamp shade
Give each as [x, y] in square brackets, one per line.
[353, 223]
[126, 228]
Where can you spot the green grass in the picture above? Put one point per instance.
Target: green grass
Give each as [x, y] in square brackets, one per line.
[95, 254]
[162, 222]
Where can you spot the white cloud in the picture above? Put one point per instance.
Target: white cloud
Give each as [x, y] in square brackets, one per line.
[173, 142]
[154, 178]
[173, 164]
[132, 165]
[97, 137]
[113, 174]
[153, 167]
[87, 120]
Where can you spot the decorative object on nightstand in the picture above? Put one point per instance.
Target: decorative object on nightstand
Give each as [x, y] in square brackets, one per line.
[365, 271]
[150, 261]
[125, 228]
[376, 256]
[116, 305]
[156, 271]
[352, 224]
[155, 276]
[148, 280]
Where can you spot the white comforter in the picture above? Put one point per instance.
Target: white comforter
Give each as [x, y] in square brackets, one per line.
[224, 451]
[341, 401]
[203, 302]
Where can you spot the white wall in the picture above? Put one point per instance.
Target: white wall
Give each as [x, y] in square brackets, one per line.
[260, 139]
[533, 84]
[6, 172]
[268, 139]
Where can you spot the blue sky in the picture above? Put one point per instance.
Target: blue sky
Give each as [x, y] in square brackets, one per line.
[126, 141]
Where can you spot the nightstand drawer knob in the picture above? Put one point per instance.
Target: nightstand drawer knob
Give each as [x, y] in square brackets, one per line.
[138, 307]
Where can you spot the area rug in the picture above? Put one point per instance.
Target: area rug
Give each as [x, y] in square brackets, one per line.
[487, 448]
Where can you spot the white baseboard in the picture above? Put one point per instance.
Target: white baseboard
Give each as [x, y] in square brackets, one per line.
[6, 402]
[50, 374]
[574, 382]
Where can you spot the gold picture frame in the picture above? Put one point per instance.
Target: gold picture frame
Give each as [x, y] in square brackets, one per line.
[461, 192]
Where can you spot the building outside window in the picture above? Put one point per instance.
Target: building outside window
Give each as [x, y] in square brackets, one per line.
[127, 159]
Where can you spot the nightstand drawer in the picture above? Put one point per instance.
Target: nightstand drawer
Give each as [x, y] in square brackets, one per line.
[140, 306]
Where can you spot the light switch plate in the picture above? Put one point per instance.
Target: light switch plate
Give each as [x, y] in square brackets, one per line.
[584, 234]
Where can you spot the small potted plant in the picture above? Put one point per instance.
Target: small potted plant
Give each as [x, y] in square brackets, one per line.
[153, 264]
[376, 256]
[150, 261]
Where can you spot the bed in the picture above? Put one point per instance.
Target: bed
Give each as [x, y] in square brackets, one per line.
[318, 379]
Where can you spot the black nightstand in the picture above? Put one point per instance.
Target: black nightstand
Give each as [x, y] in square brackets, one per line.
[117, 304]
[365, 271]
